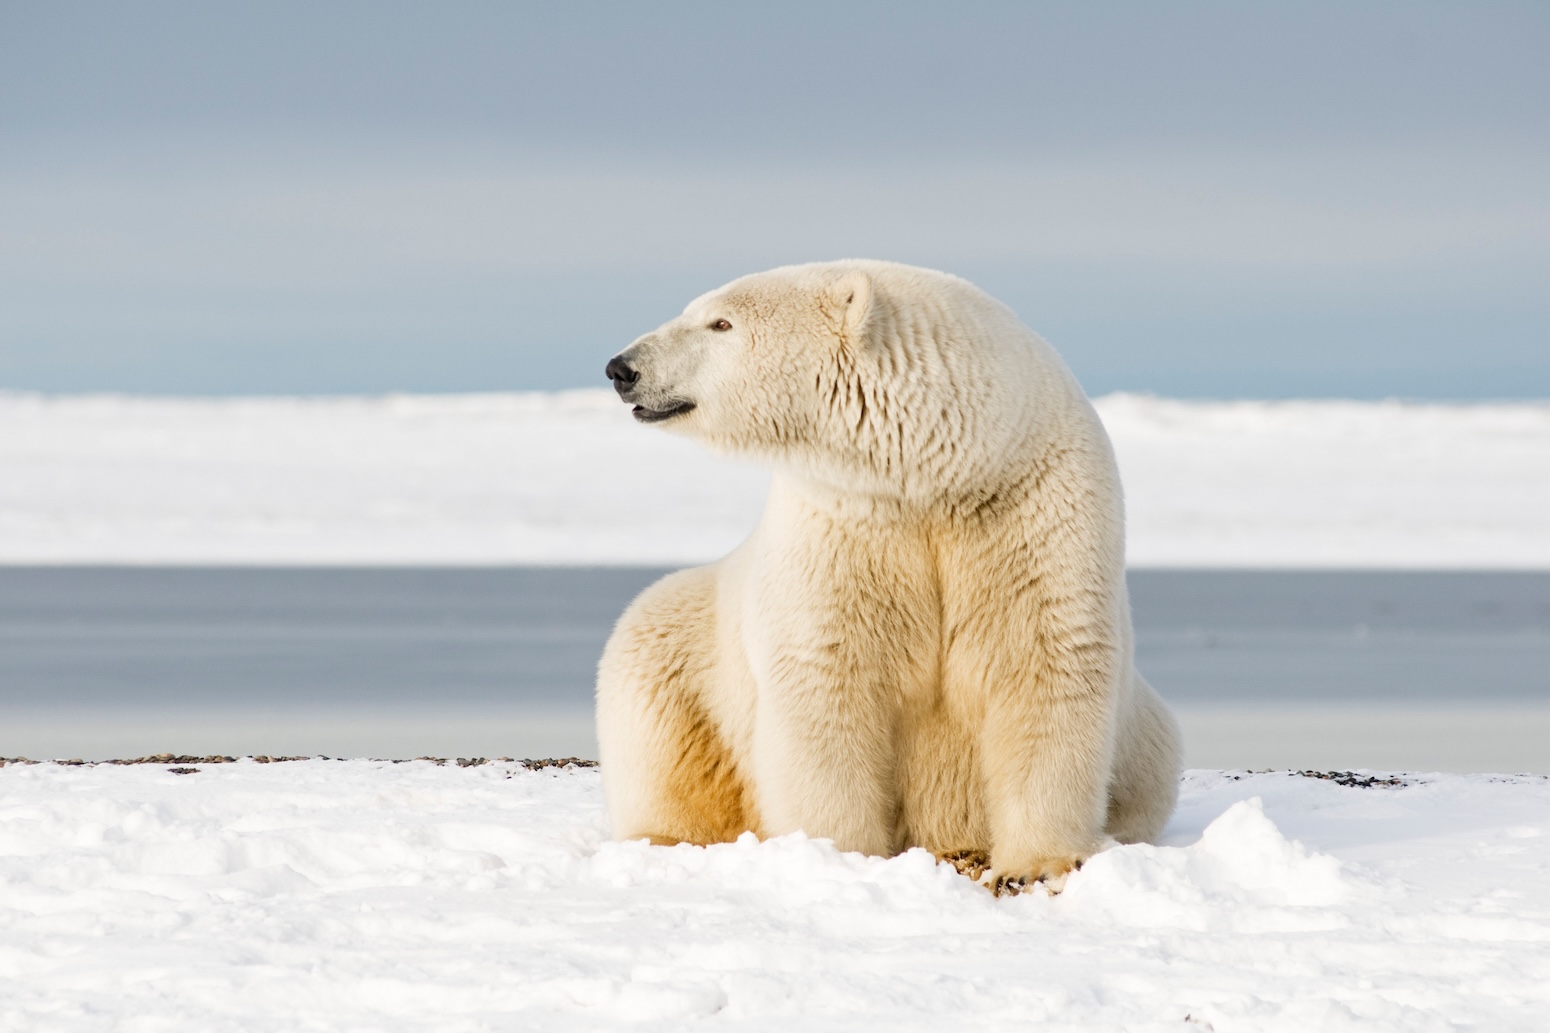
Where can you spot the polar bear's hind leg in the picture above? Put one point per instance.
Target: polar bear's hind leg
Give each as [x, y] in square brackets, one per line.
[668, 775]
[1145, 783]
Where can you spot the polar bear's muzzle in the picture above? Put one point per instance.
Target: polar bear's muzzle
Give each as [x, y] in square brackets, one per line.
[626, 379]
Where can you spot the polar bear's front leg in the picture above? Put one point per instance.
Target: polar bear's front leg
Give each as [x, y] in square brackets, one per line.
[1053, 656]
[826, 751]
[1045, 752]
[837, 637]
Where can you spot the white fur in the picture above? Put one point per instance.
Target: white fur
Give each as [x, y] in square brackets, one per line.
[926, 640]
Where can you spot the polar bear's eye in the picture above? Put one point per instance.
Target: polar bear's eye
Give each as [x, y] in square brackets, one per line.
[721, 324]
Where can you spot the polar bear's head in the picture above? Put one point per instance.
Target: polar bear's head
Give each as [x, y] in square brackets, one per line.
[851, 371]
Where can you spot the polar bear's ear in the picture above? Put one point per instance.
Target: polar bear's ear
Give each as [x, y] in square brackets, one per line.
[848, 304]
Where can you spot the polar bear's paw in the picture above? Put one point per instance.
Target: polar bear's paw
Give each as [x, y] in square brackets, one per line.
[1047, 873]
[1050, 873]
[972, 864]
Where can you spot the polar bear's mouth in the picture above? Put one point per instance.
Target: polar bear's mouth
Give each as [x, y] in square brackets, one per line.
[645, 415]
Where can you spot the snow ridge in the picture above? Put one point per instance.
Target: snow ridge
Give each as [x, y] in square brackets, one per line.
[568, 478]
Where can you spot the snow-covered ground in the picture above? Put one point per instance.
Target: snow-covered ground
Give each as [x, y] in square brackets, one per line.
[367, 895]
[569, 478]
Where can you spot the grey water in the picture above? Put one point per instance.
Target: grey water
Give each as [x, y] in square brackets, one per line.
[1424, 669]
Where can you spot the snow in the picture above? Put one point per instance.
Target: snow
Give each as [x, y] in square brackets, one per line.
[369, 895]
[568, 478]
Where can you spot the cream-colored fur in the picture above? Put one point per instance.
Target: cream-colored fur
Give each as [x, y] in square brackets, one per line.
[926, 640]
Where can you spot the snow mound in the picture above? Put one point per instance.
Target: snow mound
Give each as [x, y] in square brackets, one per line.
[1242, 875]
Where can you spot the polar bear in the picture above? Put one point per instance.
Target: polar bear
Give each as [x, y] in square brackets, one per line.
[926, 640]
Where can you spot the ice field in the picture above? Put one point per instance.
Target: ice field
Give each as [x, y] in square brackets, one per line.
[365, 895]
[570, 478]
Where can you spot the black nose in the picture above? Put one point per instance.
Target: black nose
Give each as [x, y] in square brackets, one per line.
[620, 373]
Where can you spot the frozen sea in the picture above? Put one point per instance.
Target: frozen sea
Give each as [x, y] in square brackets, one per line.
[1412, 670]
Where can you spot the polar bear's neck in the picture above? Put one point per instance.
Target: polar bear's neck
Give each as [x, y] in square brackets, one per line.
[916, 452]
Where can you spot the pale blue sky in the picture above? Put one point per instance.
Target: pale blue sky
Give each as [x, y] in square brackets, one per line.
[1200, 199]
